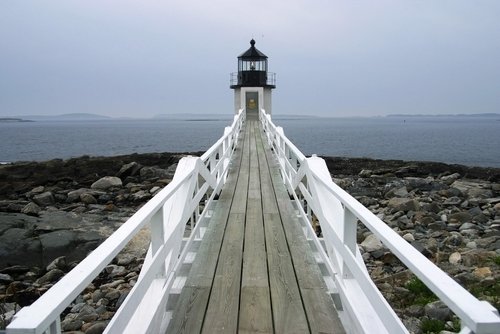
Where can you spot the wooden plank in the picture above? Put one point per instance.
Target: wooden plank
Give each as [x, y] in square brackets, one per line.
[223, 307]
[202, 272]
[193, 302]
[255, 301]
[288, 311]
[254, 256]
[255, 312]
[320, 310]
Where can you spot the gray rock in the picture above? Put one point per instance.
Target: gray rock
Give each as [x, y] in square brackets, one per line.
[409, 237]
[44, 199]
[455, 200]
[58, 263]
[141, 195]
[74, 195]
[38, 190]
[87, 313]
[97, 328]
[403, 204]
[421, 248]
[76, 308]
[467, 226]
[107, 182]
[51, 276]
[449, 179]
[372, 243]
[112, 295]
[88, 198]
[397, 192]
[460, 217]
[473, 189]
[68, 325]
[129, 169]
[5, 278]
[31, 209]
[57, 243]
[365, 173]
[114, 270]
[153, 172]
[438, 310]
[155, 189]
[125, 259]
[455, 258]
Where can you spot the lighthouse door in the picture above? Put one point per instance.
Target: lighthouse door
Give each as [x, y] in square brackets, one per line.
[252, 104]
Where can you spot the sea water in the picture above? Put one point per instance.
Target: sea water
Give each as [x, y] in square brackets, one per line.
[473, 141]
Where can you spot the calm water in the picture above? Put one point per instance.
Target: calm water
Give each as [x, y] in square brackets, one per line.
[470, 141]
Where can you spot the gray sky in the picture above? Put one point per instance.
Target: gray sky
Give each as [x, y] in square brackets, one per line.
[332, 58]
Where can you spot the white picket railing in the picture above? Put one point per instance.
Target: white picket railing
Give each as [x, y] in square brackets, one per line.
[311, 185]
[186, 199]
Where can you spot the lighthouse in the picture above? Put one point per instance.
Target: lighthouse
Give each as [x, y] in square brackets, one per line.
[252, 83]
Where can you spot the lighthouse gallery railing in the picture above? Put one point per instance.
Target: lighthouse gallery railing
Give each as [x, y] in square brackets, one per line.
[338, 213]
[187, 198]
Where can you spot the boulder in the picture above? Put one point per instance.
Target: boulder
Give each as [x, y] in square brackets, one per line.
[97, 328]
[482, 272]
[403, 204]
[44, 199]
[31, 209]
[88, 198]
[51, 276]
[57, 243]
[107, 182]
[397, 192]
[153, 172]
[460, 217]
[74, 195]
[58, 263]
[372, 243]
[438, 310]
[455, 258]
[129, 169]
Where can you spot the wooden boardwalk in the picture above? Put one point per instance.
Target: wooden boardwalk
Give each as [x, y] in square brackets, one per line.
[254, 271]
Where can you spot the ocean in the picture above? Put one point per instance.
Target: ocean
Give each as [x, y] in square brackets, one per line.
[472, 141]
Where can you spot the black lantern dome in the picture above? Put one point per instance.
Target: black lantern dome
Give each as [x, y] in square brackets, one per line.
[252, 70]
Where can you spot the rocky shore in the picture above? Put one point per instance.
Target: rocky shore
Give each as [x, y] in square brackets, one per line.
[53, 213]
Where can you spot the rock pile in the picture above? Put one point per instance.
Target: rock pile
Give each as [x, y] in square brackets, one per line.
[452, 220]
[53, 213]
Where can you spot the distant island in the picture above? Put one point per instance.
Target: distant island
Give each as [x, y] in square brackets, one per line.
[13, 120]
[66, 117]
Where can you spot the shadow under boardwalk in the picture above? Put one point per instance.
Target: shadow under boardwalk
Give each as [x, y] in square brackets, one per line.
[254, 271]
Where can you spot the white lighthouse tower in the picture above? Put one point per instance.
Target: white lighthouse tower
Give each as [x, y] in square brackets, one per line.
[252, 83]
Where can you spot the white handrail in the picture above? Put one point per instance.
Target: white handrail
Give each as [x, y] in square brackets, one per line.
[167, 213]
[310, 183]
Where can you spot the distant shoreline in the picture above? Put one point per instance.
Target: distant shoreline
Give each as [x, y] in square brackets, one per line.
[336, 165]
[14, 120]
[223, 116]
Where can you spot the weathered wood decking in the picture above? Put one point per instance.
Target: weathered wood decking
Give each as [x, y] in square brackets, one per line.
[254, 271]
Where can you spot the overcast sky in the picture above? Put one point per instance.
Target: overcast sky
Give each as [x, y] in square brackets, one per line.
[332, 58]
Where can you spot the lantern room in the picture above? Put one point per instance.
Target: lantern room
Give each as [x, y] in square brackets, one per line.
[253, 82]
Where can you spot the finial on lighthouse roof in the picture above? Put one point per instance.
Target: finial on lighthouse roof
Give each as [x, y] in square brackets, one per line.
[252, 42]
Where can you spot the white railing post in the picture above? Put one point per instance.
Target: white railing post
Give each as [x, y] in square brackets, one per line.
[349, 237]
[157, 236]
